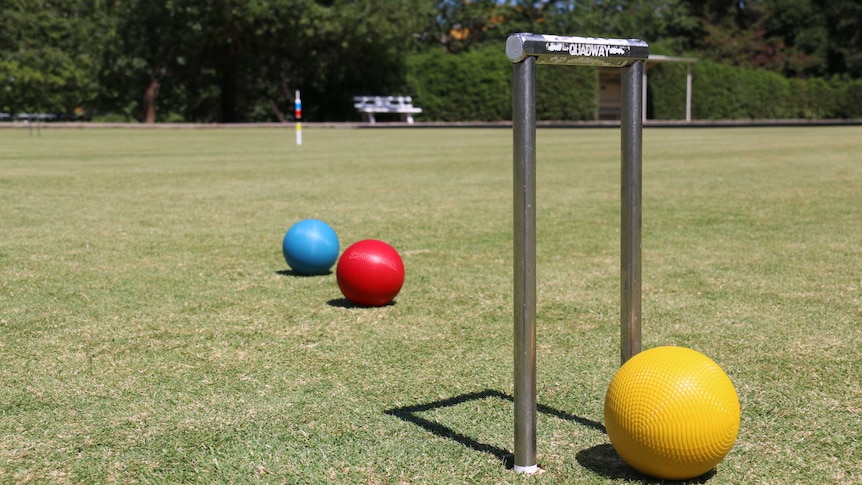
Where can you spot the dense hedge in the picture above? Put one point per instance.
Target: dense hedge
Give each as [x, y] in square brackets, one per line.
[727, 92]
[477, 86]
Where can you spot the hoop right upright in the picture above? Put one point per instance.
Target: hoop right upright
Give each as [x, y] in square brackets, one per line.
[631, 125]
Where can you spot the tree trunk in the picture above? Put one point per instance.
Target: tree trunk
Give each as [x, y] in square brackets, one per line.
[278, 113]
[228, 93]
[150, 96]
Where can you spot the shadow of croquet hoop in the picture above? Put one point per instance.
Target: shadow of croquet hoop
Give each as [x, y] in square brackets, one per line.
[411, 415]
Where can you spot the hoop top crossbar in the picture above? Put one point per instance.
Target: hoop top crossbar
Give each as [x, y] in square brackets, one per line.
[576, 51]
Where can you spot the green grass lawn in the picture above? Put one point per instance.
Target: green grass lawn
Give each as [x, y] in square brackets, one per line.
[151, 333]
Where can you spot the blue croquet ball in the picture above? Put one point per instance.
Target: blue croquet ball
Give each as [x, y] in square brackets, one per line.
[310, 247]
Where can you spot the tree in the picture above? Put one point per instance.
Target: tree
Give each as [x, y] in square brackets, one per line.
[844, 25]
[778, 35]
[49, 55]
[331, 51]
[242, 60]
[462, 25]
[794, 37]
[174, 59]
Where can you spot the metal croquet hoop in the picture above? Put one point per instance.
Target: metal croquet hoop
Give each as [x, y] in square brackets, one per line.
[525, 51]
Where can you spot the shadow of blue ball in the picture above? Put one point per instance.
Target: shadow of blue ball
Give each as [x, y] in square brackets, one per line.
[310, 247]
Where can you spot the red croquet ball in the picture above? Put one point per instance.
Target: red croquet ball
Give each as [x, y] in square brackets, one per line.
[370, 273]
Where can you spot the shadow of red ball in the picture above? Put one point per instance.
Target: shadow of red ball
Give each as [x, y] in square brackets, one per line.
[370, 273]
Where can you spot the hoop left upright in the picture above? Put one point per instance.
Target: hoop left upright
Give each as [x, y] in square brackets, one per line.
[526, 50]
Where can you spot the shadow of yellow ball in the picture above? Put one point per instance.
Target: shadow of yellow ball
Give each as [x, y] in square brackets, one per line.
[671, 413]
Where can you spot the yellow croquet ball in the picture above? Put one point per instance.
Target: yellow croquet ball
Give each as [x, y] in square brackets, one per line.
[672, 413]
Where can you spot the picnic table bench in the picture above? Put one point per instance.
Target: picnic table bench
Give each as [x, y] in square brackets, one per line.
[369, 105]
[36, 117]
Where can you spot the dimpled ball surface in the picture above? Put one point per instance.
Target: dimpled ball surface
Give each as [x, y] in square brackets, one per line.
[370, 273]
[310, 247]
[672, 413]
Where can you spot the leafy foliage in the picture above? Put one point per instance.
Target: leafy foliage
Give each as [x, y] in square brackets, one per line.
[49, 55]
[730, 92]
[243, 60]
[471, 86]
[477, 85]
